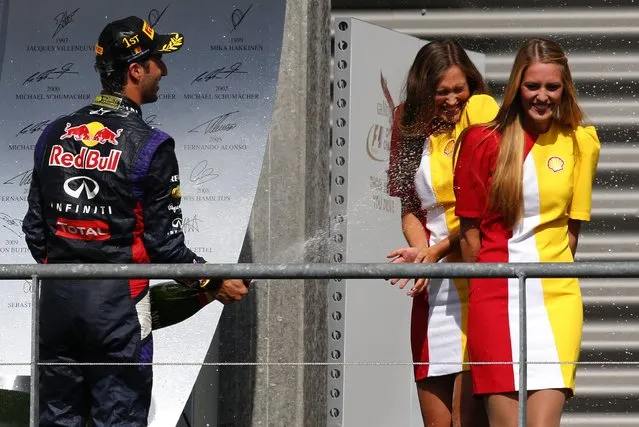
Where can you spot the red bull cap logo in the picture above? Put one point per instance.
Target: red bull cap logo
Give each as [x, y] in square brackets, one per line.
[91, 134]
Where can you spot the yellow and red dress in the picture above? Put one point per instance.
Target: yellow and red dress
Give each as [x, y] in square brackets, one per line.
[558, 173]
[438, 317]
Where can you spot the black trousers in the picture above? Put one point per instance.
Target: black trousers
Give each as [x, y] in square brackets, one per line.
[94, 322]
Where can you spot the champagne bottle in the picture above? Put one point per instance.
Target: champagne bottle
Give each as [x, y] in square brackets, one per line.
[172, 302]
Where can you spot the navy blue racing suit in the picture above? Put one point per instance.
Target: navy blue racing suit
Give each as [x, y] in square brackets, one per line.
[105, 189]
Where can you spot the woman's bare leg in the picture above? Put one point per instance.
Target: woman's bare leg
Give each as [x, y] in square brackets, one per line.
[544, 408]
[502, 409]
[468, 410]
[435, 400]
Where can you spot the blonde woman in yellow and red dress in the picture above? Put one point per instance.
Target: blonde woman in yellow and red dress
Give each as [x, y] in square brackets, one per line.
[523, 185]
[445, 93]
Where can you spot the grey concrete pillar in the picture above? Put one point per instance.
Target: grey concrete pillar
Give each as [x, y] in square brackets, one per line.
[285, 321]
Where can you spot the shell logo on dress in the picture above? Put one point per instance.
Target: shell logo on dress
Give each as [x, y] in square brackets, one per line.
[556, 164]
[449, 148]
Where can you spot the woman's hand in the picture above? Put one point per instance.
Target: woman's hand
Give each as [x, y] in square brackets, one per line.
[416, 255]
[426, 255]
[407, 254]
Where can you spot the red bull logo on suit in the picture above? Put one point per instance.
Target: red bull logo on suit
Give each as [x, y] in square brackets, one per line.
[91, 134]
[86, 159]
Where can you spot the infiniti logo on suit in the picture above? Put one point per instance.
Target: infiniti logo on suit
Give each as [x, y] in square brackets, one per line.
[75, 186]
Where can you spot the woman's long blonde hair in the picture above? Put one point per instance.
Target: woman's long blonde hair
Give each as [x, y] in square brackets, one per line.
[506, 193]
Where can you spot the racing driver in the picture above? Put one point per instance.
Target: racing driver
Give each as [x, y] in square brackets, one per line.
[106, 189]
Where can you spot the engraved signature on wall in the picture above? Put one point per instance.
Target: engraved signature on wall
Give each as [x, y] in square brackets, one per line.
[202, 173]
[13, 225]
[22, 179]
[237, 16]
[220, 73]
[51, 74]
[191, 225]
[33, 128]
[150, 120]
[63, 19]
[155, 15]
[216, 124]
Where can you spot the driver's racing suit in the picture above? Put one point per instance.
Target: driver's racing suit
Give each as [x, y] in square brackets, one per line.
[105, 189]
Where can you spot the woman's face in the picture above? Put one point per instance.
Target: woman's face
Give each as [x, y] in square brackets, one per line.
[451, 94]
[541, 90]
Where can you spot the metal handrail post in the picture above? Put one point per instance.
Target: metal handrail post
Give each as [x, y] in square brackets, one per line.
[35, 353]
[523, 350]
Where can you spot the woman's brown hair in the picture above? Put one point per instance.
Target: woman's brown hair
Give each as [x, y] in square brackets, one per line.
[506, 193]
[416, 117]
[429, 66]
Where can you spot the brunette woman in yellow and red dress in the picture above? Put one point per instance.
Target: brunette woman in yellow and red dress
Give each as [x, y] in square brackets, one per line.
[524, 185]
[445, 93]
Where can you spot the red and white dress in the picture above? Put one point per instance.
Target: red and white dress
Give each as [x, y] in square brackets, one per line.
[439, 316]
[558, 173]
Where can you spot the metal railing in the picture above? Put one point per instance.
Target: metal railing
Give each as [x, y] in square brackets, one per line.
[520, 271]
